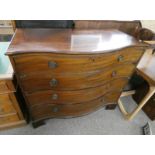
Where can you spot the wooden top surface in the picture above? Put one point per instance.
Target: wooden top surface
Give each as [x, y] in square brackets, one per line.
[70, 41]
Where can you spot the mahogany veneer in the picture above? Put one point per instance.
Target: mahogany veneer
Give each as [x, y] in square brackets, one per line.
[68, 73]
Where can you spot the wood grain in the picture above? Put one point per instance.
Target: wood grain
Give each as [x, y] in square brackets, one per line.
[76, 96]
[6, 86]
[6, 106]
[129, 27]
[69, 73]
[9, 119]
[43, 111]
[11, 125]
[41, 81]
[10, 112]
[74, 63]
[70, 41]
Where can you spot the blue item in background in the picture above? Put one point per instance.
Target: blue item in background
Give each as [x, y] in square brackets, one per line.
[4, 60]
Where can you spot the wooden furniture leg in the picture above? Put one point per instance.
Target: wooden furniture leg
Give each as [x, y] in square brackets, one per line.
[38, 124]
[130, 116]
[111, 107]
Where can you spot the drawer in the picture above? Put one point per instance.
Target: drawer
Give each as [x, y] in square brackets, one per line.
[76, 96]
[6, 86]
[59, 63]
[45, 80]
[72, 110]
[6, 105]
[8, 119]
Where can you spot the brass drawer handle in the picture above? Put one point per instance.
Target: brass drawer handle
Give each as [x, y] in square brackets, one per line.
[52, 64]
[22, 76]
[53, 82]
[54, 96]
[120, 58]
[55, 109]
[114, 73]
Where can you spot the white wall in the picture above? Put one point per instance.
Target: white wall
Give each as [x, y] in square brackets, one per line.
[149, 24]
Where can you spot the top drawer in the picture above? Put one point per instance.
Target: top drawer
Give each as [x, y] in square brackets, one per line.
[56, 63]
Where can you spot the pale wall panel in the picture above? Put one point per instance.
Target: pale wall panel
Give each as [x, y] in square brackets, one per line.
[149, 24]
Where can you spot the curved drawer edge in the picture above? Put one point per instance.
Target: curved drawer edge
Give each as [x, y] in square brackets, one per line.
[41, 112]
[71, 104]
[67, 117]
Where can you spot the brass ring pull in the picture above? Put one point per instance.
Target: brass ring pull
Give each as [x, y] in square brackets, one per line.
[55, 109]
[55, 96]
[114, 73]
[120, 58]
[53, 82]
[22, 76]
[52, 64]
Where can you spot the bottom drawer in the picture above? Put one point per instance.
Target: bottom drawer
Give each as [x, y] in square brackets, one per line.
[44, 111]
[9, 119]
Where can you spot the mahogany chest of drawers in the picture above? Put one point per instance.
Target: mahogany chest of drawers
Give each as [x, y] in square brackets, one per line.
[68, 73]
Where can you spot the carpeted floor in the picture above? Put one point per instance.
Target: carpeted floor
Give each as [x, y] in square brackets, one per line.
[101, 122]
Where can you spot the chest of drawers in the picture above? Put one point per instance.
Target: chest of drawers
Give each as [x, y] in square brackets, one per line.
[69, 73]
[10, 113]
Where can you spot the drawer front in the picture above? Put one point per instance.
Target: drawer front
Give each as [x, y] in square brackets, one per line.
[59, 63]
[46, 80]
[6, 105]
[6, 86]
[72, 110]
[8, 119]
[76, 96]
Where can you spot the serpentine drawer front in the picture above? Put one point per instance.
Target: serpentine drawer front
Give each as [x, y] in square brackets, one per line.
[76, 96]
[46, 80]
[60, 63]
[68, 73]
[43, 111]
